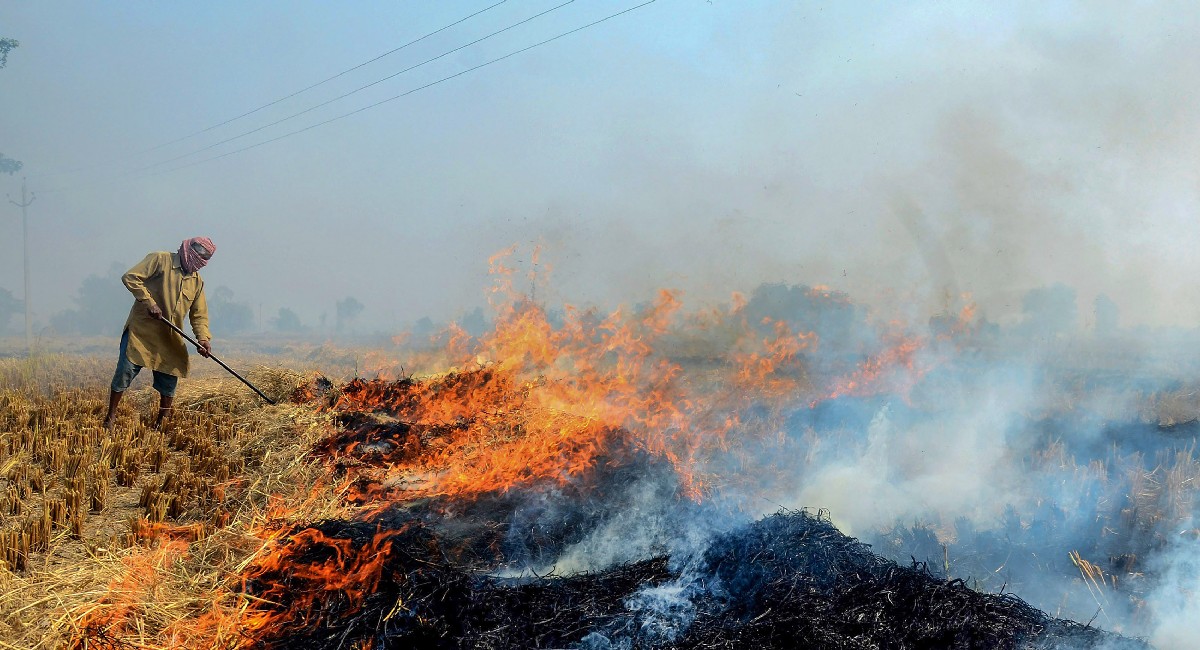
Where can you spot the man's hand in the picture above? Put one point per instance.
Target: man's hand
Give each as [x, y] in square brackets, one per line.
[204, 347]
[155, 311]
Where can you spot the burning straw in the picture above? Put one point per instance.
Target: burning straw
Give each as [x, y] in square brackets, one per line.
[428, 571]
[791, 580]
[431, 512]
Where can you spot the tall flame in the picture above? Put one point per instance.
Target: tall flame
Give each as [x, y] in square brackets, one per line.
[540, 400]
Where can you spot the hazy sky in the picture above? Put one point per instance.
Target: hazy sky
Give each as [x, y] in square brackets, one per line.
[893, 150]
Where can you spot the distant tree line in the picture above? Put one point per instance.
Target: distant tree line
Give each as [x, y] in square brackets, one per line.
[101, 305]
[346, 313]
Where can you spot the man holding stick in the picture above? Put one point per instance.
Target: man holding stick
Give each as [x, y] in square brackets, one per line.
[166, 286]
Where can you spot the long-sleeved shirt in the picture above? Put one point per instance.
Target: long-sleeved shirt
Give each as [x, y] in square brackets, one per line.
[159, 280]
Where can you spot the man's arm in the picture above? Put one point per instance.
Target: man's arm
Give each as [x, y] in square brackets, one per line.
[135, 280]
[199, 318]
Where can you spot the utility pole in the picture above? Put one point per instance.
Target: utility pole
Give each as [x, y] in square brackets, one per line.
[26, 200]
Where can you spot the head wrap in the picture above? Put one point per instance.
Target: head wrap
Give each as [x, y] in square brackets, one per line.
[188, 259]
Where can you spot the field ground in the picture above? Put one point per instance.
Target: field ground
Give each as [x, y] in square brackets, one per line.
[143, 531]
[89, 513]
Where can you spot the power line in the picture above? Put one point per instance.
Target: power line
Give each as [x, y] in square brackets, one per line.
[324, 81]
[417, 89]
[356, 90]
[385, 101]
[281, 99]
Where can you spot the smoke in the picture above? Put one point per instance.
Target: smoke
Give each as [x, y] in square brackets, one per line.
[954, 466]
[1032, 458]
[958, 463]
[996, 471]
[652, 522]
[1005, 155]
[1027, 459]
[1175, 604]
[884, 150]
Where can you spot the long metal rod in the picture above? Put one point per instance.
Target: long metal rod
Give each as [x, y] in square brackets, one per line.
[214, 358]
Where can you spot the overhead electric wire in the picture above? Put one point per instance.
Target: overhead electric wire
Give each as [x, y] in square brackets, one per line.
[281, 99]
[404, 94]
[324, 81]
[356, 90]
[419, 88]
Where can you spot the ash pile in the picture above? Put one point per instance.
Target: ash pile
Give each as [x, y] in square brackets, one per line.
[489, 572]
[789, 580]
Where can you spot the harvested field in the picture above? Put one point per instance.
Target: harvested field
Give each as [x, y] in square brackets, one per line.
[598, 496]
[87, 510]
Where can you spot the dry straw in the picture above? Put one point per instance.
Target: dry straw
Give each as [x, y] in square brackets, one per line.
[136, 529]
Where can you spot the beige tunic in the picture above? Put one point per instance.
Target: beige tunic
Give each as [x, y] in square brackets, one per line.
[160, 280]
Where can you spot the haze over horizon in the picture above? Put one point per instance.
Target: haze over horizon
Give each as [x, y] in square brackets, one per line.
[894, 152]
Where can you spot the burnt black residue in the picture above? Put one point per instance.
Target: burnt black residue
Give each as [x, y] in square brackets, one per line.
[790, 580]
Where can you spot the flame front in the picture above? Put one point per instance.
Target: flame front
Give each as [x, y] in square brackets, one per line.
[534, 402]
[537, 401]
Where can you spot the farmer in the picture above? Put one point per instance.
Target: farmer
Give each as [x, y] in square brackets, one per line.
[166, 286]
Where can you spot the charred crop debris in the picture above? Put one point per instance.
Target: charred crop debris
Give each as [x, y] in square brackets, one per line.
[789, 580]
[448, 571]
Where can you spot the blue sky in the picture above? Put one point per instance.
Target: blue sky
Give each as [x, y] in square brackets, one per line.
[896, 151]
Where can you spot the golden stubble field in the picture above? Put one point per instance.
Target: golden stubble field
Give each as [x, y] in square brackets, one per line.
[135, 523]
[143, 534]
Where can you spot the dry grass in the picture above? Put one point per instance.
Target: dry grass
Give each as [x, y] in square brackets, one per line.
[157, 566]
[152, 565]
[1172, 408]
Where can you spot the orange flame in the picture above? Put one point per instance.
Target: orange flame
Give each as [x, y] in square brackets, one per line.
[893, 370]
[533, 402]
[118, 614]
[345, 570]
